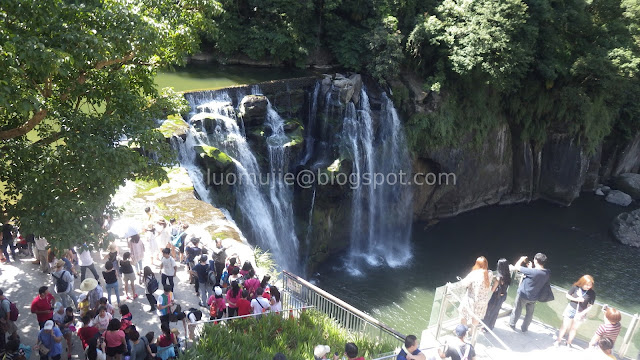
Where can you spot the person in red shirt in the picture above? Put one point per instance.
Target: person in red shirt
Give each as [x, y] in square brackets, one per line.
[42, 305]
[86, 332]
[244, 305]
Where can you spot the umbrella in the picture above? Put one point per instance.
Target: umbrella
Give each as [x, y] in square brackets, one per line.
[124, 228]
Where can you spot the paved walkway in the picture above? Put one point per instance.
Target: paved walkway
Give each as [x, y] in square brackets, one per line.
[20, 282]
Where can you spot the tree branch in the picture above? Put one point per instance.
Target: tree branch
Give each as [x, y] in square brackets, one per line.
[49, 140]
[24, 128]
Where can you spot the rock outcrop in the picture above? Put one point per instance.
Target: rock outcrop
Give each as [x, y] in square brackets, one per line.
[628, 183]
[619, 198]
[626, 228]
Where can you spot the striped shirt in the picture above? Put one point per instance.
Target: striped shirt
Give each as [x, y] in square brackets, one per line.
[610, 331]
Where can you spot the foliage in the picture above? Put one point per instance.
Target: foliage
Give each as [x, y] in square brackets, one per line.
[385, 43]
[294, 337]
[263, 259]
[76, 78]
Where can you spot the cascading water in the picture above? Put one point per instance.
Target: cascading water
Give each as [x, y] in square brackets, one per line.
[268, 213]
[381, 210]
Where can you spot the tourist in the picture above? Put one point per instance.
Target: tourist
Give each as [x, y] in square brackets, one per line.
[101, 321]
[459, 349]
[166, 343]
[50, 337]
[114, 339]
[246, 267]
[321, 352]
[168, 268]
[41, 253]
[410, 350]
[95, 347]
[217, 305]
[192, 250]
[110, 309]
[234, 275]
[126, 317]
[244, 304]
[535, 281]
[64, 284]
[51, 259]
[13, 351]
[6, 325]
[251, 283]
[111, 281]
[137, 252]
[163, 234]
[181, 242]
[94, 292]
[351, 351]
[128, 276]
[233, 296]
[152, 242]
[611, 327]
[7, 242]
[501, 283]
[150, 282]
[87, 331]
[66, 326]
[581, 298]
[218, 255]
[476, 297]
[265, 282]
[85, 260]
[201, 272]
[139, 346]
[112, 257]
[70, 259]
[260, 304]
[164, 303]
[606, 348]
[42, 306]
[276, 304]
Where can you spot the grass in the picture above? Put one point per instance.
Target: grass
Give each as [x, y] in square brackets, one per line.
[294, 337]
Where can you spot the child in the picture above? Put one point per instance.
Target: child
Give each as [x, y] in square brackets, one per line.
[148, 277]
[110, 309]
[83, 304]
[68, 328]
[125, 321]
[217, 305]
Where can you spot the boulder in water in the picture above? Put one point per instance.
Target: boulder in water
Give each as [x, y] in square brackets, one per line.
[599, 192]
[626, 228]
[253, 109]
[619, 198]
[605, 189]
[346, 89]
[629, 183]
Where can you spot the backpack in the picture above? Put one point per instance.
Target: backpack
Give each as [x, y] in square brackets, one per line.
[61, 284]
[211, 277]
[197, 313]
[177, 240]
[152, 286]
[13, 311]
[466, 352]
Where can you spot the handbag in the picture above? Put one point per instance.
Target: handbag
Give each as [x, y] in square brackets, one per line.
[43, 350]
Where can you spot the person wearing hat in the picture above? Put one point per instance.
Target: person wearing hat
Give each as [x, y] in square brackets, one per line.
[410, 349]
[94, 292]
[459, 348]
[51, 338]
[321, 352]
[42, 305]
[62, 277]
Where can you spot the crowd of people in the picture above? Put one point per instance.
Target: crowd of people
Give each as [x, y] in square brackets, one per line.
[99, 317]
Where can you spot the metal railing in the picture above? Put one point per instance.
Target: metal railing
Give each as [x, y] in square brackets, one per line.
[299, 292]
[194, 330]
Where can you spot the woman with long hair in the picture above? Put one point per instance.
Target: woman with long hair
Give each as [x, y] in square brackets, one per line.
[476, 297]
[581, 297]
[233, 296]
[166, 343]
[498, 293]
[276, 305]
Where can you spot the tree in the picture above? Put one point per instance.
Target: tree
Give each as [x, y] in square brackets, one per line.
[78, 105]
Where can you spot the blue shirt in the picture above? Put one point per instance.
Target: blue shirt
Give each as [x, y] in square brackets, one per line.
[55, 348]
[402, 355]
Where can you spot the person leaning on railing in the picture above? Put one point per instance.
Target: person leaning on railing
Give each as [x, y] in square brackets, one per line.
[410, 350]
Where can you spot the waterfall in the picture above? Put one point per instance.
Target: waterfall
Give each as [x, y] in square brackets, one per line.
[268, 211]
[309, 140]
[381, 210]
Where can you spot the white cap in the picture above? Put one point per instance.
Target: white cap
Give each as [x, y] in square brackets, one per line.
[218, 290]
[48, 325]
[321, 350]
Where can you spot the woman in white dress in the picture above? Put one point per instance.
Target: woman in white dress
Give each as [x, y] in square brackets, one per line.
[153, 243]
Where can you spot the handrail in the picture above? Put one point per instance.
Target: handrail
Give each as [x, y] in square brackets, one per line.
[347, 306]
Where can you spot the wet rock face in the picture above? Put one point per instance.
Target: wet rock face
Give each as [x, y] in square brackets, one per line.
[563, 170]
[253, 110]
[629, 183]
[626, 228]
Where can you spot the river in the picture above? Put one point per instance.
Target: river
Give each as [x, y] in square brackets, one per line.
[576, 240]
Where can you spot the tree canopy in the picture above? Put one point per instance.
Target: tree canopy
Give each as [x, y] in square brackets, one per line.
[78, 105]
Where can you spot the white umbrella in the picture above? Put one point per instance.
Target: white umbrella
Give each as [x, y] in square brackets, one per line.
[124, 228]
